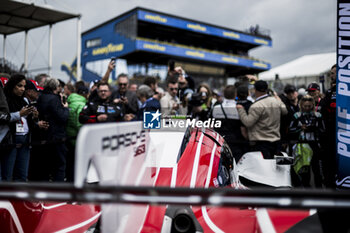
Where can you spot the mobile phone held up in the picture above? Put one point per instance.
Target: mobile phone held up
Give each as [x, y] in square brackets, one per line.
[113, 59]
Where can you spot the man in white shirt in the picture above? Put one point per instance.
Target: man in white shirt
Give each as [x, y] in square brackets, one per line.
[170, 102]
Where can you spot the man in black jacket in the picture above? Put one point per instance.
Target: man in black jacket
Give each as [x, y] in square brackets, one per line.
[290, 99]
[52, 110]
[329, 143]
[101, 109]
[127, 100]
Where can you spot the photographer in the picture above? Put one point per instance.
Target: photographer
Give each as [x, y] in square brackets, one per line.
[185, 85]
[200, 102]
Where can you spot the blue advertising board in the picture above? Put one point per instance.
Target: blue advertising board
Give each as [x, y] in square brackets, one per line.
[343, 94]
[201, 28]
[180, 51]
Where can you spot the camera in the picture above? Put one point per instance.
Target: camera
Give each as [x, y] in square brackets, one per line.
[196, 100]
[113, 58]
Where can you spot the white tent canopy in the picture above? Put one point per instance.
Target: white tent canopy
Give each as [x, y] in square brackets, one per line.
[307, 65]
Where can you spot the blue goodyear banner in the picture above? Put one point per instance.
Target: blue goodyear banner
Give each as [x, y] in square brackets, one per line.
[200, 55]
[201, 28]
[343, 94]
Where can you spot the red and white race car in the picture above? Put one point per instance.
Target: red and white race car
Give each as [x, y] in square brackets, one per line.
[195, 158]
[125, 154]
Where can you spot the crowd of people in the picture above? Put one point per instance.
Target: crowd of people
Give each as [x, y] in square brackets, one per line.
[40, 119]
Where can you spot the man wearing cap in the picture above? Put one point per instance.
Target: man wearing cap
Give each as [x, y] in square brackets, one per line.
[263, 121]
[314, 90]
[31, 96]
[32, 91]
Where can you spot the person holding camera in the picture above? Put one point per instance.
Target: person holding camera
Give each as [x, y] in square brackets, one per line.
[307, 125]
[200, 102]
[186, 89]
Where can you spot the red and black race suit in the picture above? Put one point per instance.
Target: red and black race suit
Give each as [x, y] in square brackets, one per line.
[93, 109]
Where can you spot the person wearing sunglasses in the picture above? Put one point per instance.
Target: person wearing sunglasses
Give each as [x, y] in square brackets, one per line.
[170, 102]
[103, 109]
[126, 100]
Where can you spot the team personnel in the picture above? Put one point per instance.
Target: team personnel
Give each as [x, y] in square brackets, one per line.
[102, 109]
[231, 128]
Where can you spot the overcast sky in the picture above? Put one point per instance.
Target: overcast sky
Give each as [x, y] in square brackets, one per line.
[297, 27]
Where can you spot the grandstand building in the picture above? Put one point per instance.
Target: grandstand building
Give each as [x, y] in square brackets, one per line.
[147, 40]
